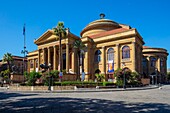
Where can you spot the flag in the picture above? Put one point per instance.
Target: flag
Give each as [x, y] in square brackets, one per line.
[24, 30]
[110, 66]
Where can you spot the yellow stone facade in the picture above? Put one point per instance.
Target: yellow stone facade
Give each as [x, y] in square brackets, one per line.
[155, 63]
[108, 45]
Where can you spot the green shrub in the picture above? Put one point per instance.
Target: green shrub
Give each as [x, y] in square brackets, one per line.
[54, 73]
[118, 73]
[108, 83]
[135, 83]
[99, 77]
[134, 78]
[119, 82]
[77, 83]
[64, 72]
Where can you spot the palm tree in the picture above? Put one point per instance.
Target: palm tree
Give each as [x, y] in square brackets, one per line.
[8, 58]
[79, 46]
[60, 32]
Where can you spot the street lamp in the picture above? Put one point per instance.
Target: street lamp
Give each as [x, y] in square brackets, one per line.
[49, 65]
[156, 70]
[82, 59]
[152, 79]
[124, 84]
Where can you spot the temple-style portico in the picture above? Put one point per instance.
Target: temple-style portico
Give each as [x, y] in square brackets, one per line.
[48, 52]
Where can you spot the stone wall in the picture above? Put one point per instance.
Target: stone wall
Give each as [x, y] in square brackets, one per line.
[145, 81]
[17, 78]
[69, 77]
[39, 88]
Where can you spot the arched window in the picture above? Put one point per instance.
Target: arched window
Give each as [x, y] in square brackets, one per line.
[162, 62]
[144, 62]
[97, 57]
[125, 52]
[153, 61]
[110, 54]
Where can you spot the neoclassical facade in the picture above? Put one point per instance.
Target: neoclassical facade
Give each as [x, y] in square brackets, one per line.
[109, 46]
[155, 63]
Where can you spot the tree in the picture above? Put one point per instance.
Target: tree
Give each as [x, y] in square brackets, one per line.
[5, 75]
[32, 77]
[79, 46]
[60, 32]
[8, 58]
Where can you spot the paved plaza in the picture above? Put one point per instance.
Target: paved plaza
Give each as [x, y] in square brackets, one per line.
[136, 101]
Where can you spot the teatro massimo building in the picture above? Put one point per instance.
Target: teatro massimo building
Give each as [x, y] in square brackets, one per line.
[109, 46]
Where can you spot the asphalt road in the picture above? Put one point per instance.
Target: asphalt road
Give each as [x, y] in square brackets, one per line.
[138, 101]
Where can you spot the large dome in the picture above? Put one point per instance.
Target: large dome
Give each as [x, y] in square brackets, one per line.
[99, 26]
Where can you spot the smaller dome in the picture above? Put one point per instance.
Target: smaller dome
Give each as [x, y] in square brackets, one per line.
[98, 26]
[153, 50]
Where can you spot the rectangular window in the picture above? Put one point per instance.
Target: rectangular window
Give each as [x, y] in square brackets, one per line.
[31, 64]
[36, 63]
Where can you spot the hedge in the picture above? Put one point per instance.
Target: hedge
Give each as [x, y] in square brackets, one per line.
[79, 83]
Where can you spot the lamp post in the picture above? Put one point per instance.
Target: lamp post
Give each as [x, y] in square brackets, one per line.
[82, 60]
[156, 75]
[152, 80]
[25, 52]
[124, 84]
[49, 87]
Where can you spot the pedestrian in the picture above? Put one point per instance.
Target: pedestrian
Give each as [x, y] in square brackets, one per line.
[82, 75]
[60, 76]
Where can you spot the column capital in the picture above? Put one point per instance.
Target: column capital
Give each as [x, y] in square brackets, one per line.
[42, 48]
[54, 46]
[148, 57]
[67, 44]
[117, 45]
[133, 42]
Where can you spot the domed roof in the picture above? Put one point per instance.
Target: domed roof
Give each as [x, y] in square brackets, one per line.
[148, 50]
[98, 26]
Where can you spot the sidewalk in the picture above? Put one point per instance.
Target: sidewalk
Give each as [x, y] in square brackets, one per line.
[84, 90]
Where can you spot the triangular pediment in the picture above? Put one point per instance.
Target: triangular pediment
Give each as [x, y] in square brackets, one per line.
[48, 36]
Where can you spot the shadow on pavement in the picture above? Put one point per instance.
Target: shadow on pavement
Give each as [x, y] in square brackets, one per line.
[78, 105]
[6, 95]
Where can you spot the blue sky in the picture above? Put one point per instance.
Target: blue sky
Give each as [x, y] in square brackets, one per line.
[150, 17]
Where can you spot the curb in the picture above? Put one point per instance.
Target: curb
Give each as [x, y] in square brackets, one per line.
[85, 90]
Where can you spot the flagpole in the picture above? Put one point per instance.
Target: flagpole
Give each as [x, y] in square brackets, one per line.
[24, 51]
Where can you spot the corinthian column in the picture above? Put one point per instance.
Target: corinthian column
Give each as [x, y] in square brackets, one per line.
[49, 60]
[103, 60]
[67, 58]
[54, 59]
[73, 61]
[44, 55]
[39, 59]
[117, 56]
[133, 57]
[158, 64]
